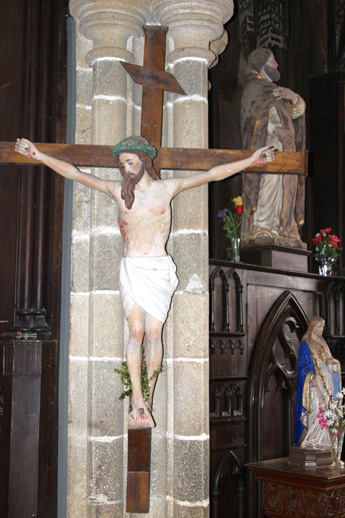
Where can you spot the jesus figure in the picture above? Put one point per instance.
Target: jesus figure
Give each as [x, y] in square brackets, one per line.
[147, 273]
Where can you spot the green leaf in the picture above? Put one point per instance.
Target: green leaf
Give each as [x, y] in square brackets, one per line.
[126, 380]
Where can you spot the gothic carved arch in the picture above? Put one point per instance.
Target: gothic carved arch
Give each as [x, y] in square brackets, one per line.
[285, 319]
[221, 296]
[228, 468]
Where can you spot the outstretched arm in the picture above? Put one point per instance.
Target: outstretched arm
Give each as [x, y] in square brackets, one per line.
[27, 148]
[259, 157]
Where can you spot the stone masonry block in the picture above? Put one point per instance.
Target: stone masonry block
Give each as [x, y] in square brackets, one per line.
[105, 478]
[80, 264]
[107, 251]
[83, 124]
[192, 339]
[76, 475]
[106, 74]
[107, 324]
[106, 410]
[191, 463]
[104, 208]
[158, 465]
[190, 257]
[190, 116]
[192, 76]
[81, 207]
[84, 87]
[79, 331]
[100, 509]
[78, 397]
[190, 382]
[104, 113]
[181, 510]
[184, 218]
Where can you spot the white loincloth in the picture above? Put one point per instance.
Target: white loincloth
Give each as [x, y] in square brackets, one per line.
[149, 282]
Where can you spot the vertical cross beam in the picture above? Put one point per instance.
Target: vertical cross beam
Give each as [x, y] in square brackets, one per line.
[154, 80]
[152, 99]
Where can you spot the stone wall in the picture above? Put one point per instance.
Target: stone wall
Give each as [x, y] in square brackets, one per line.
[108, 109]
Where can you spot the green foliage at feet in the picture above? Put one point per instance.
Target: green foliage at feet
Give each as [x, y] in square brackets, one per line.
[145, 380]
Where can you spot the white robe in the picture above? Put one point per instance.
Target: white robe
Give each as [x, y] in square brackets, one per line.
[149, 282]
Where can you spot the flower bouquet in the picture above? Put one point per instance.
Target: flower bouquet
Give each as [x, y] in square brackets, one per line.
[232, 224]
[334, 420]
[326, 250]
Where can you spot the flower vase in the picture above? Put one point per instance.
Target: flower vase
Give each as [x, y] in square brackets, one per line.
[337, 440]
[326, 266]
[235, 248]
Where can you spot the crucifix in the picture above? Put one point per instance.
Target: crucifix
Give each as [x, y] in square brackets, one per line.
[154, 80]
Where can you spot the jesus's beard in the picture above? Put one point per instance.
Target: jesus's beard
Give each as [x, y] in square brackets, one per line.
[128, 186]
[272, 73]
[135, 178]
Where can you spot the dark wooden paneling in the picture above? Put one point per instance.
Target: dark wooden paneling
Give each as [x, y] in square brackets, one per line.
[33, 41]
[258, 367]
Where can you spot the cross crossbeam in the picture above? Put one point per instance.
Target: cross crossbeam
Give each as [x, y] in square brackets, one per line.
[169, 158]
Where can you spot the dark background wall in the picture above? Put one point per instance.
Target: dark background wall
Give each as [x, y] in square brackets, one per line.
[311, 62]
[33, 86]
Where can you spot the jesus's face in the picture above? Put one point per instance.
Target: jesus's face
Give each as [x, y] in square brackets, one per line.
[131, 164]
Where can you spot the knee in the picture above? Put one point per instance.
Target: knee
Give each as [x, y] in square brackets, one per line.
[137, 333]
[154, 334]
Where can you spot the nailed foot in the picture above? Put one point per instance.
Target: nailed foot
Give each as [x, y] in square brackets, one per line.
[140, 418]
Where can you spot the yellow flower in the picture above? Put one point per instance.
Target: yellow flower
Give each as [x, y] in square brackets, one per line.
[238, 200]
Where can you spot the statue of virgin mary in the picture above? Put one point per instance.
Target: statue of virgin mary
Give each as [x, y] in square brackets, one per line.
[318, 381]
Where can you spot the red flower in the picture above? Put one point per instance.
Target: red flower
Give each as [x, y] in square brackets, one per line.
[325, 230]
[334, 240]
[317, 239]
[239, 209]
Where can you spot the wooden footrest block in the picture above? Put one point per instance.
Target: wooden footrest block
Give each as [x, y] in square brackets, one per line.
[138, 472]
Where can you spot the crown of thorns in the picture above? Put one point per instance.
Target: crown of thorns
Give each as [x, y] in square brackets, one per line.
[134, 144]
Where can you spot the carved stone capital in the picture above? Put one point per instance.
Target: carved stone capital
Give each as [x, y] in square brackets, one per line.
[109, 25]
[193, 25]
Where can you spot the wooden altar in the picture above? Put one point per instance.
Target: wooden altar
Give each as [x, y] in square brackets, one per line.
[293, 491]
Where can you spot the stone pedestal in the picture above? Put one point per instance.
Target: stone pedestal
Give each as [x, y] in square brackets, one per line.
[270, 252]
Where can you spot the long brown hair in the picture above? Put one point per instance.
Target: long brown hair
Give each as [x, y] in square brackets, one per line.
[128, 184]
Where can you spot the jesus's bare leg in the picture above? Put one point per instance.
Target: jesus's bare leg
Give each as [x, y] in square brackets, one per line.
[153, 349]
[139, 416]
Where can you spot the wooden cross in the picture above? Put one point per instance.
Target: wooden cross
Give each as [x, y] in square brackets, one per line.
[154, 80]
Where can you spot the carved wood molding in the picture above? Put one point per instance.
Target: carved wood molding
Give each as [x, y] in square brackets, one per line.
[226, 275]
[286, 500]
[224, 345]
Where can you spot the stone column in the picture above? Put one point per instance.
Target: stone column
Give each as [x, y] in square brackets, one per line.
[108, 109]
[192, 26]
